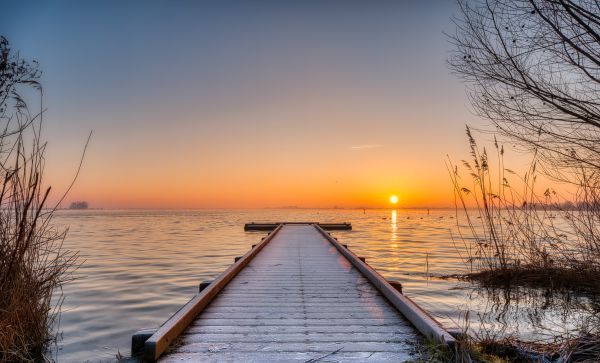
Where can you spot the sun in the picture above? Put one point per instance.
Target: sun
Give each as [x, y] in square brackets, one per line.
[394, 199]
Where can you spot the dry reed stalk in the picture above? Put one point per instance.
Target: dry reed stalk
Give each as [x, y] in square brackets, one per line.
[33, 263]
[514, 237]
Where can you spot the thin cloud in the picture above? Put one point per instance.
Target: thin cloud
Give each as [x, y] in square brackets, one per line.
[362, 147]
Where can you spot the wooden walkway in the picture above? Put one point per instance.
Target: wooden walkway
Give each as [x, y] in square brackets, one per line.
[299, 298]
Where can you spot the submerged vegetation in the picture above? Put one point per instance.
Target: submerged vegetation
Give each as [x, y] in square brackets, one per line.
[33, 264]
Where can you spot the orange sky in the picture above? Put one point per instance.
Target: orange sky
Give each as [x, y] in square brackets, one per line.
[242, 106]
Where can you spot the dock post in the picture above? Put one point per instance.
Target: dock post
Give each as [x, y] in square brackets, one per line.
[396, 285]
[138, 339]
[203, 285]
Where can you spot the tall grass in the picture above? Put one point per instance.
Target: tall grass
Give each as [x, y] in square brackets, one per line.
[522, 233]
[33, 264]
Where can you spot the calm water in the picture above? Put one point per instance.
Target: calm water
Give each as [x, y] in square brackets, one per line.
[140, 266]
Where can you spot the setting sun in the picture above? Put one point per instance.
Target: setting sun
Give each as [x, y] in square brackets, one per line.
[394, 199]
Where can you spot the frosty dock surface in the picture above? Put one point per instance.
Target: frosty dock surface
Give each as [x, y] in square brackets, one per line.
[298, 295]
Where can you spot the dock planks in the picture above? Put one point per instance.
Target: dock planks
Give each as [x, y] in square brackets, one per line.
[299, 299]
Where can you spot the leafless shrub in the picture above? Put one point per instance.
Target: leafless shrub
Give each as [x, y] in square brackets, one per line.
[532, 67]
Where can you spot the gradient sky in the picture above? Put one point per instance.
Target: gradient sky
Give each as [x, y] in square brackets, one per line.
[246, 104]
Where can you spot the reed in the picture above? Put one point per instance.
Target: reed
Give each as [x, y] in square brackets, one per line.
[33, 263]
[511, 235]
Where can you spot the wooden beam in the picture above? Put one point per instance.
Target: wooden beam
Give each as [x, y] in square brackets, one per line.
[271, 226]
[168, 332]
[424, 322]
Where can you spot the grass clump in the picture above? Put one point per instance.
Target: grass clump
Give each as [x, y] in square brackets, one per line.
[464, 352]
[582, 349]
[33, 264]
[491, 345]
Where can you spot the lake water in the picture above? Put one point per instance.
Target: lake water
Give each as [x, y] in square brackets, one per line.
[140, 266]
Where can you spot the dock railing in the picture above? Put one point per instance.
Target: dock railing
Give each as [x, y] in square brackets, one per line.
[176, 324]
[422, 320]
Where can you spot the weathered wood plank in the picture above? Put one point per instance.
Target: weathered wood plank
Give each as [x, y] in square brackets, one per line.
[260, 357]
[279, 329]
[298, 296]
[296, 305]
[297, 347]
[331, 315]
[377, 337]
[326, 290]
[297, 308]
[298, 322]
[170, 330]
[336, 293]
[426, 324]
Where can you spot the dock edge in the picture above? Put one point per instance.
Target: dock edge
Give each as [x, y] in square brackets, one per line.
[420, 318]
[160, 340]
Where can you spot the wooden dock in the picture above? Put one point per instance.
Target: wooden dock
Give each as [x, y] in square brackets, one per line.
[271, 226]
[299, 295]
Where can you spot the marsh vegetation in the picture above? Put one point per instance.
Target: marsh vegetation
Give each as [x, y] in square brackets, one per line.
[532, 68]
[33, 264]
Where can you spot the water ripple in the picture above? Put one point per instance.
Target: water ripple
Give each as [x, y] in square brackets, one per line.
[141, 266]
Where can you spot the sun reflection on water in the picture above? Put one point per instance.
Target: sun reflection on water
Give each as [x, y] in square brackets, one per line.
[394, 229]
